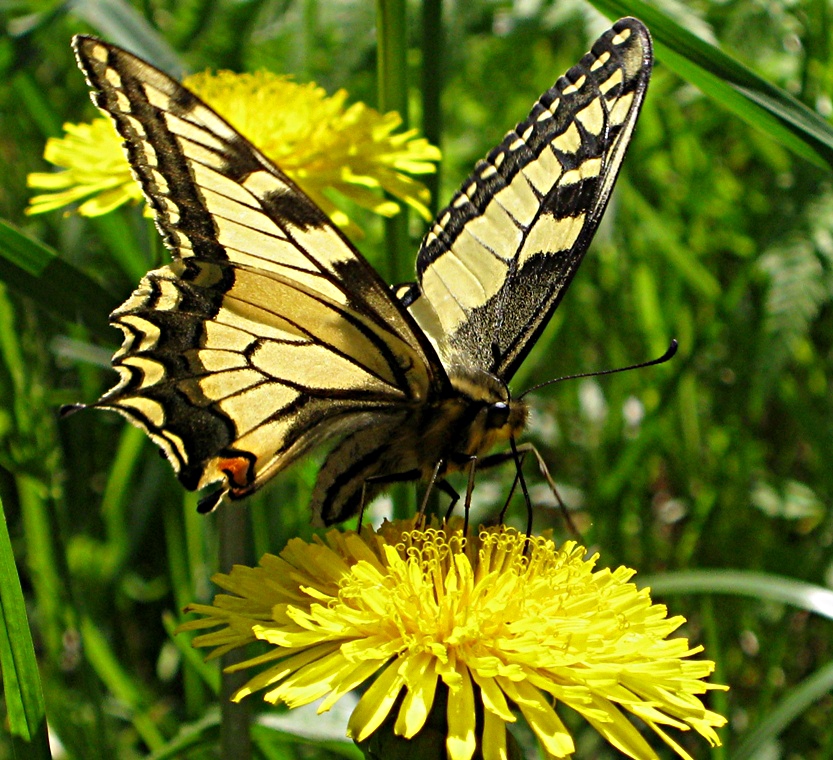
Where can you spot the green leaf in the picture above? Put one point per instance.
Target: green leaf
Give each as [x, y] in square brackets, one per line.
[21, 680]
[36, 271]
[730, 83]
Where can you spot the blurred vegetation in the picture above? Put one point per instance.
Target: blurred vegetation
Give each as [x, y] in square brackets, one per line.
[715, 463]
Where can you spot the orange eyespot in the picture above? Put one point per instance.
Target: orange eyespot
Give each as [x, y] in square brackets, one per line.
[238, 471]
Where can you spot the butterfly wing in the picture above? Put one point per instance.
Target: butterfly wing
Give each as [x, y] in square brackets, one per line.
[497, 262]
[268, 333]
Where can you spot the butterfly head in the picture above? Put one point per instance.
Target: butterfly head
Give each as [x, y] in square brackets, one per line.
[492, 416]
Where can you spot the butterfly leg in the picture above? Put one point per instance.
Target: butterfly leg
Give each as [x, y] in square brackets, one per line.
[435, 479]
[505, 456]
[469, 490]
[542, 467]
[448, 489]
[518, 455]
[519, 475]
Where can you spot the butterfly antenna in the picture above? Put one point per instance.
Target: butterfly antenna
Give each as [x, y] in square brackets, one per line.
[668, 355]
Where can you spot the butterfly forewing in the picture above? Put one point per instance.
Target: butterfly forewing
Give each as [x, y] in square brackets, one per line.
[499, 258]
[268, 331]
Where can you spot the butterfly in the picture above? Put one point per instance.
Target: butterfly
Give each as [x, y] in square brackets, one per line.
[270, 335]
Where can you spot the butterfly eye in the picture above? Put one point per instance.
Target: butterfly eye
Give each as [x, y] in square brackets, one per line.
[497, 415]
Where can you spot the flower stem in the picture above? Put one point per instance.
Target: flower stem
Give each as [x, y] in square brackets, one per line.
[235, 740]
[392, 66]
[433, 52]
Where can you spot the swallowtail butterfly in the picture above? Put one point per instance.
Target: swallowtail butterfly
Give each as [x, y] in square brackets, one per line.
[269, 334]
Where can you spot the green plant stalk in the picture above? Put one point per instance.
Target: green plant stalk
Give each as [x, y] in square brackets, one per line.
[259, 521]
[115, 497]
[179, 569]
[307, 38]
[433, 51]
[182, 586]
[123, 243]
[199, 547]
[688, 395]
[192, 580]
[235, 737]
[392, 72]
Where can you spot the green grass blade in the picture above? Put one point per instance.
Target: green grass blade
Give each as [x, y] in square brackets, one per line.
[776, 588]
[120, 23]
[433, 70]
[793, 705]
[807, 596]
[36, 271]
[21, 680]
[207, 671]
[120, 683]
[236, 717]
[733, 85]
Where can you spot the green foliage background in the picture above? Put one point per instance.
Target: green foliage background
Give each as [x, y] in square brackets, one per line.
[709, 474]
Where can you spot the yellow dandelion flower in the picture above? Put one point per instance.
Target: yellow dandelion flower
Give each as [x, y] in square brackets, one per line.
[316, 139]
[499, 623]
[96, 171]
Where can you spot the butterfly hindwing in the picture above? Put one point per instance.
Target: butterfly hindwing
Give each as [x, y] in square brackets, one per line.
[499, 258]
[268, 332]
